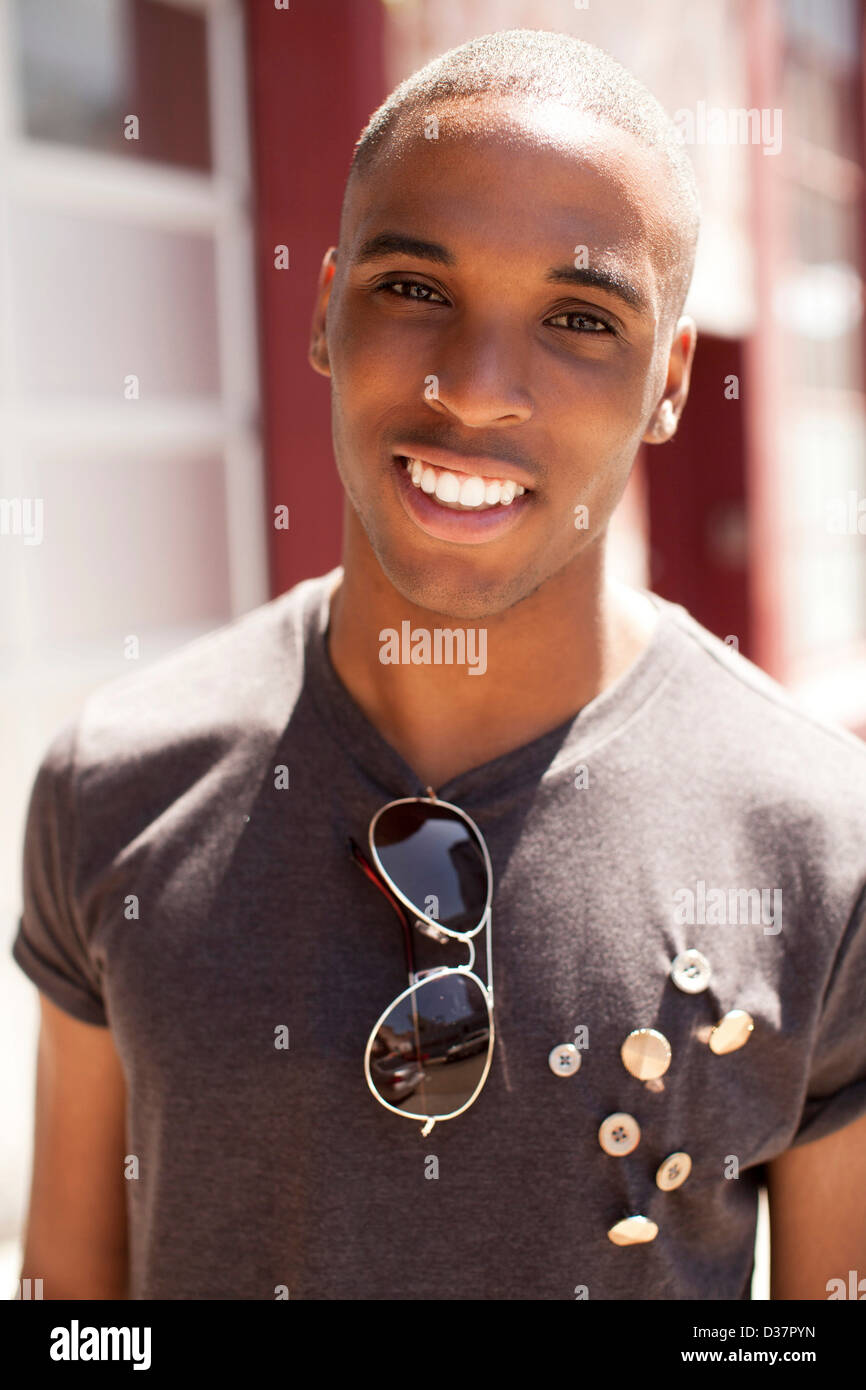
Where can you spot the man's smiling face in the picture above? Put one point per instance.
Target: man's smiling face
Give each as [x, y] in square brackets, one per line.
[457, 262]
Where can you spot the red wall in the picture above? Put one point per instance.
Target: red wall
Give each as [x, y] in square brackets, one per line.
[696, 488]
[316, 74]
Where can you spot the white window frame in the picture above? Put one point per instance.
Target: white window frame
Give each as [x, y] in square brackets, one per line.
[38, 173]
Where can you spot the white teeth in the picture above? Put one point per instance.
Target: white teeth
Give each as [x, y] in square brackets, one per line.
[447, 487]
[471, 493]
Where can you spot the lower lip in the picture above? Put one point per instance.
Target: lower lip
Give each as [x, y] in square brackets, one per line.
[447, 524]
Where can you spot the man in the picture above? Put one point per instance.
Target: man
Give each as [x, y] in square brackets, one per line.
[676, 851]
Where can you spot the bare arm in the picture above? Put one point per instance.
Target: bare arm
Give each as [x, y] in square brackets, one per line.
[817, 1196]
[76, 1238]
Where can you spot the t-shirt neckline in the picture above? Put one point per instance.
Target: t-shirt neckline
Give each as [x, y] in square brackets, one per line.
[596, 723]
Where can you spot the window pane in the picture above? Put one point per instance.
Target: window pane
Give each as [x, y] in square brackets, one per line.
[825, 549]
[131, 543]
[96, 301]
[86, 65]
[833, 30]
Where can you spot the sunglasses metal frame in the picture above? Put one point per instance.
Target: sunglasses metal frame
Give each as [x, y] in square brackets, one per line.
[427, 977]
[434, 929]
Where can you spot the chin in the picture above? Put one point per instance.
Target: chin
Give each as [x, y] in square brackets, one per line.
[452, 587]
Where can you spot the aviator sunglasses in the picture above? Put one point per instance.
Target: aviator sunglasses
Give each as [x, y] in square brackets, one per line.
[428, 1055]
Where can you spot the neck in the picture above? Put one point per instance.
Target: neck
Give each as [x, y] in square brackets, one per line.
[514, 675]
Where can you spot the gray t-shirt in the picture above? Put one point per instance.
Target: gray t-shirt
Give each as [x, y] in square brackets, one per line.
[177, 891]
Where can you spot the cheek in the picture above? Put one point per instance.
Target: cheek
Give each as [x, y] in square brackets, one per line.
[370, 377]
[599, 402]
[367, 346]
[603, 445]
[599, 419]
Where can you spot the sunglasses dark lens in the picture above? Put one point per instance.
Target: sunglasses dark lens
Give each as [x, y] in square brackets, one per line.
[429, 1054]
[429, 852]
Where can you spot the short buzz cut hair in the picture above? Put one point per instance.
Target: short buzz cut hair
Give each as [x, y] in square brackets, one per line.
[544, 65]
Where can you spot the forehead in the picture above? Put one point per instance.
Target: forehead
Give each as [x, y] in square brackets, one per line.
[506, 180]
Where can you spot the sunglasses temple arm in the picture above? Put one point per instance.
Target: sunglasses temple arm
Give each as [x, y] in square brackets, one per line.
[367, 869]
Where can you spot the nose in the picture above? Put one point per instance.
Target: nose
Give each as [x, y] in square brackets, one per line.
[482, 376]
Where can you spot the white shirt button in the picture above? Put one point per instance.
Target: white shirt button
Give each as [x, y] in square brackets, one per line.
[619, 1134]
[564, 1060]
[673, 1172]
[691, 972]
[731, 1032]
[646, 1053]
[634, 1230]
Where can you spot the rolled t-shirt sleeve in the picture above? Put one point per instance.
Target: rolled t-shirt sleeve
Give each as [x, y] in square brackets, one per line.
[836, 1088]
[50, 945]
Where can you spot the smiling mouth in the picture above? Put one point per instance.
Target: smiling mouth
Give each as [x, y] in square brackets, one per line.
[461, 492]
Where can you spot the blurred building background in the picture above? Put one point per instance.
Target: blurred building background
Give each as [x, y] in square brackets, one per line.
[156, 399]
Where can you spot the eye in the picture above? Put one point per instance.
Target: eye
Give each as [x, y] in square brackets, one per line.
[399, 286]
[589, 322]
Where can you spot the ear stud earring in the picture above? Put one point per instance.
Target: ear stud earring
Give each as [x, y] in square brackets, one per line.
[667, 420]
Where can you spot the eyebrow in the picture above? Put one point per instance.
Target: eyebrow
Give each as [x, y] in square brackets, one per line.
[399, 244]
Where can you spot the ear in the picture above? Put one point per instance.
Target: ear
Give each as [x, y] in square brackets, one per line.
[318, 351]
[662, 424]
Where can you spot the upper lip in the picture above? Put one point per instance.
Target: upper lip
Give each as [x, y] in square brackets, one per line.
[473, 464]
